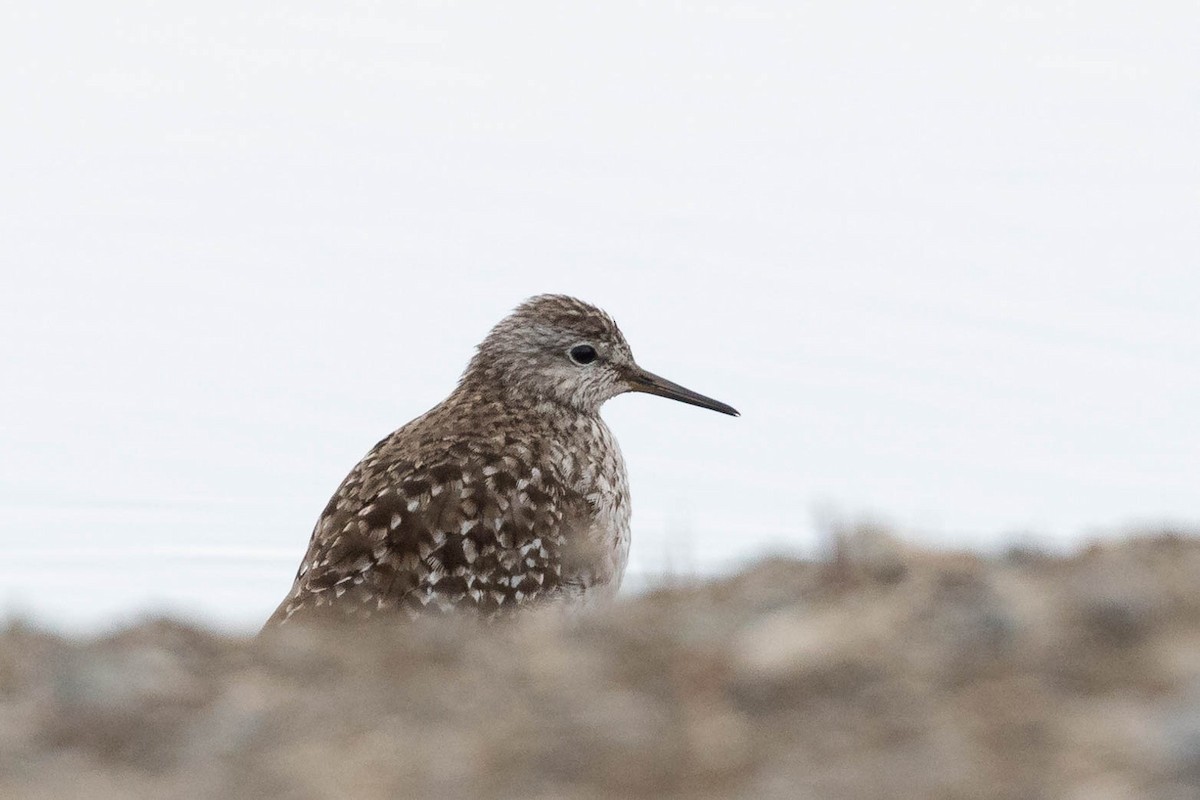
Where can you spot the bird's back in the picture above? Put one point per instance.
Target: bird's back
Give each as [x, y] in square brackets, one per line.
[474, 506]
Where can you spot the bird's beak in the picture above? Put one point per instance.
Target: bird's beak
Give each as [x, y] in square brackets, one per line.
[642, 381]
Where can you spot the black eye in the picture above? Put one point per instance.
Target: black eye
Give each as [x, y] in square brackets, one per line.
[583, 354]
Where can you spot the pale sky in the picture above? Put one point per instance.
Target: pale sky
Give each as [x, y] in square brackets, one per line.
[944, 257]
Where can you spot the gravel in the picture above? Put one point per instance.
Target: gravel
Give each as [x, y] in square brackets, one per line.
[887, 672]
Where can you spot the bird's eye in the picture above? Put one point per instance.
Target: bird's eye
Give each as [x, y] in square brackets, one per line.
[582, 354]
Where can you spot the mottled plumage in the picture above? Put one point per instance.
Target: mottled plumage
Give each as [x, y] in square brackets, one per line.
[512, 491]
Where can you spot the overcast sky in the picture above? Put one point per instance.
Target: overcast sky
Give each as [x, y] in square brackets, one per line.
[944, 257]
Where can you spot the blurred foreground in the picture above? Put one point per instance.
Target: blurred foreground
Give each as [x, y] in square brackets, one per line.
[888, 673]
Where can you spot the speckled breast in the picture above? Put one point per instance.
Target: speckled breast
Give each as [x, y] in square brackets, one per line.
[590, 464]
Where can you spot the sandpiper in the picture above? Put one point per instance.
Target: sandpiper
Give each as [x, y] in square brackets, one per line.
[509, 493]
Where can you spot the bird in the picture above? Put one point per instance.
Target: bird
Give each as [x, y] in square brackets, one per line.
[510, 494]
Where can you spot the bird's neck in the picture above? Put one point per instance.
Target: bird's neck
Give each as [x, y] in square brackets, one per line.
[514, 402]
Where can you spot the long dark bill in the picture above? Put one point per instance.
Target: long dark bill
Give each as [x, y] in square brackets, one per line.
[642, 381]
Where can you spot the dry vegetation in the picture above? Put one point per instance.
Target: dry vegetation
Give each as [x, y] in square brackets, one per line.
[889, 673]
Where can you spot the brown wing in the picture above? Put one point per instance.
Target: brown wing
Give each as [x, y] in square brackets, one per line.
[475, 526]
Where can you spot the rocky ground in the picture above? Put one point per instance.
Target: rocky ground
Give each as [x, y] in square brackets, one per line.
[885, 673]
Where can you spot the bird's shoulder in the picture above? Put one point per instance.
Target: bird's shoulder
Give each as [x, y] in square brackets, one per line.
[443, 448]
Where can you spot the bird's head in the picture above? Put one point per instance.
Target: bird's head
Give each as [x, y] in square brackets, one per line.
[562, 350]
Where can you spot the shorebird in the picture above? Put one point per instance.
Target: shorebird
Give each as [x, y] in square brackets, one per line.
[511, 492]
